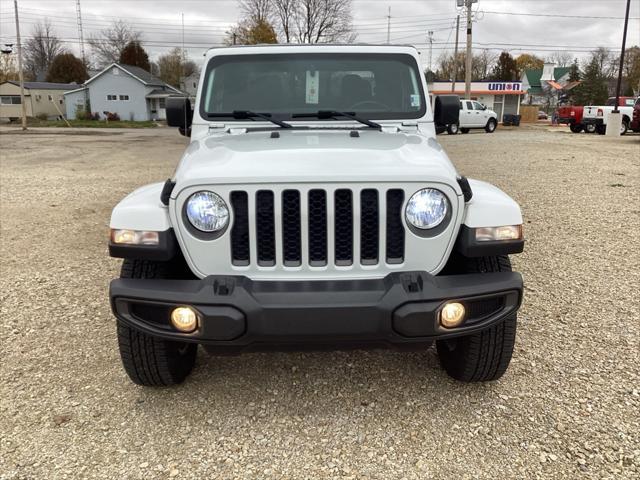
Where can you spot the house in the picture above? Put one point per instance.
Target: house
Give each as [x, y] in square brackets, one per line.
[131, 92]
[190, 84]
[544, 85]
[41, 98]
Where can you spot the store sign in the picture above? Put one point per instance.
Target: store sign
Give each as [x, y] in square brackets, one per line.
[505, 86]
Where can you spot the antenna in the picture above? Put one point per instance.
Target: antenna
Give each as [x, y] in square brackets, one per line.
[430, 33]
[389, 26]
[80, 34]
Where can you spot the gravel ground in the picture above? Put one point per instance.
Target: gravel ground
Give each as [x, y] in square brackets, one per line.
[568, 407]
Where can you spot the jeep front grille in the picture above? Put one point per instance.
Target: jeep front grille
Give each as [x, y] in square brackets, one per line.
[290, 221]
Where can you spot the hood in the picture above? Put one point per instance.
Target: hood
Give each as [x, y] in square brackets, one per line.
[306, 156]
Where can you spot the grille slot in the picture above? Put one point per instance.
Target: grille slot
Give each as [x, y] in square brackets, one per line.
[291, 241]
[395, 229]
[240, 230]
[265, 228]
[317, 228]
[369, 224]
[344, 227]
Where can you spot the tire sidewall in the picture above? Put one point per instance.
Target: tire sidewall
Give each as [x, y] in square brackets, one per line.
[491, 125]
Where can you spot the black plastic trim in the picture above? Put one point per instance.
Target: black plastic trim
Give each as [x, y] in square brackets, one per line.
[467, 245]
[465, 187]
[272, 312]
[166, 249]
[165, 195]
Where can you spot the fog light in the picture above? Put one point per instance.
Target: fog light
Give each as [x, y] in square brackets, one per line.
[184, 319]
[452, 314]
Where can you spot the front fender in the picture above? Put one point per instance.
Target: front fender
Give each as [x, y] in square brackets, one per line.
[490, 207]
[142, 210]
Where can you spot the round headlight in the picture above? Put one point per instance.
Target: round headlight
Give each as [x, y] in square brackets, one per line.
[427, 208]
[207, 211]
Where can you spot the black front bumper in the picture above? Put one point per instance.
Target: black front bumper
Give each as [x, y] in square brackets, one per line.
[402, 308]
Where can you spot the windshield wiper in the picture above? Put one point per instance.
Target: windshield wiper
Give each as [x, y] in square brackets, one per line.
[325, 114]
[248, 114]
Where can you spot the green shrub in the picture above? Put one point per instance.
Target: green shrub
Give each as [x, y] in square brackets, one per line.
[42, 116]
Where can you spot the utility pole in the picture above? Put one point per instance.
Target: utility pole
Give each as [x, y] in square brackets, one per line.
[87, 107]
[467, 70]
[389, 26]
[430, 33]
[455, 57]
[624, 44]
[23, 105]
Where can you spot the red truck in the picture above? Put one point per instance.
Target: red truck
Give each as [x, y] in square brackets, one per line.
[572, 115]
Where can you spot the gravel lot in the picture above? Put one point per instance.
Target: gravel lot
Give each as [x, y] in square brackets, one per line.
[568, 407]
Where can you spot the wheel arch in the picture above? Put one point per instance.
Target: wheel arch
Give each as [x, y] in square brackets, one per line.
[142, 210]
[490, 207]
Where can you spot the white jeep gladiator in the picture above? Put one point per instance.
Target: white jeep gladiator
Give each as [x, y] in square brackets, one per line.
[598, 115]
[474, 115]
[314, 207]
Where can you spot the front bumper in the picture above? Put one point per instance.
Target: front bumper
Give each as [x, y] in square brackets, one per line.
[234, 311]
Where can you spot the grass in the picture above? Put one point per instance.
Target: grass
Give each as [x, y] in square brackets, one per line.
[34, 122]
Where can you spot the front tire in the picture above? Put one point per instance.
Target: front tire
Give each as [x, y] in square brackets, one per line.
[590, 128]
[491, 126]
[485, 355]
[601, 129]
[453, 129]
[624, 127]
[148, 360]
[575, 127]
[464, 130]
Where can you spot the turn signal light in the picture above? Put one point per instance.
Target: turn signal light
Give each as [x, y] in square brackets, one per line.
[134, 237]
[184, 319]
[506, 232]
[452, 314]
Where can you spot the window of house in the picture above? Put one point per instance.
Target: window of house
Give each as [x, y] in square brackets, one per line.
[10, 100]
[161, 102]
[50, 98]
[61, 101]
[115, 71]
[112, 97]
[124, 97]
[38, 97]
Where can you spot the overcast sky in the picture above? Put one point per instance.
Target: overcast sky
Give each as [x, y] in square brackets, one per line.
[549, 25]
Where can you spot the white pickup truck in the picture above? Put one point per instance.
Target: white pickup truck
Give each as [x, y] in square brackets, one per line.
[474, 115]
[598, 115]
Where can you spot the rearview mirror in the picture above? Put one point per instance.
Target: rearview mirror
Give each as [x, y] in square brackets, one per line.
[446, 110]
[179, 114]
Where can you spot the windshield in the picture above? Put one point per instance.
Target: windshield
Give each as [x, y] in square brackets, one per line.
[375, 86]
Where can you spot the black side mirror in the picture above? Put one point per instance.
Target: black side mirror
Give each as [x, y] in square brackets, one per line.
[446, 110]
[179, 114]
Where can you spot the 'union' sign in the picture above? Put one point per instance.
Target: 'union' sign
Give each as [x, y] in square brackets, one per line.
[502, 86]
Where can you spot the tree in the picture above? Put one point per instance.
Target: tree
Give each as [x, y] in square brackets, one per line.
[40, 50]
[67, 68]
[574, 73]
[481, 65]
[631, 70]
[250, 32]
[593, 89]
[134, 54]
[528, 61]
[560, 59]
[174, 67]
[107, 46]
[505, 69]
[304, 21]
[8, 67]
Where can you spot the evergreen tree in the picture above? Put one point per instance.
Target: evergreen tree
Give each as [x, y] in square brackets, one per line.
[593, 89]
[505, 69]
[574, 73]
[67, 68]
[134, 54]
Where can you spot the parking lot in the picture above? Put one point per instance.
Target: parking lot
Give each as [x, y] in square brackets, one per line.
[568, 407]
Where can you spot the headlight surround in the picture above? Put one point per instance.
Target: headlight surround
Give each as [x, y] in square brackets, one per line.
[207, 212]
[427, 208]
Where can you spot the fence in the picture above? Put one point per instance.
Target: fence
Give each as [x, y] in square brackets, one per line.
[529, 113]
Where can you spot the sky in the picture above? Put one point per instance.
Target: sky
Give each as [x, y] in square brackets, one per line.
[535, 26]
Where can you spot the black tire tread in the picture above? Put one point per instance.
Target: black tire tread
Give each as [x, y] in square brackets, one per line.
[151, 361]
[485, 355]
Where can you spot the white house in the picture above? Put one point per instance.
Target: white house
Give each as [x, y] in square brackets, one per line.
[131, 92]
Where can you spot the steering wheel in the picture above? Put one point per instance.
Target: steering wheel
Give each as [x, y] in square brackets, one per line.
[355, 106]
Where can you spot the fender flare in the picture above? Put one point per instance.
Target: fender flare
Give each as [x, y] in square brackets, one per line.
[490, 207]
[142, 210]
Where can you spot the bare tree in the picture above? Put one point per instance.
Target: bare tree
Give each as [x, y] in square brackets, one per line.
[560, 58]
[107, 46]
[40, 50]
[324, 21]
[304, 21]
[285, 12]
[173, 67]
